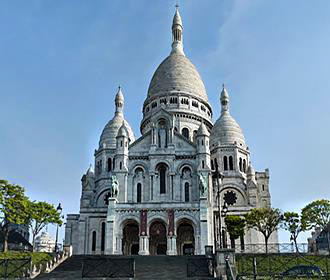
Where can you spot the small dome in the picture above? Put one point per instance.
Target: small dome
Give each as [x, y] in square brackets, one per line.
[202, 130]
[90, 170]
[111, 130]
[122, 131]
[250, 170]
[226, 131]
[177, 73]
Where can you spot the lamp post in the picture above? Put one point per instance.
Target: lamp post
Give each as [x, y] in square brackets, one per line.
[218, 176]
[59, 210]
[224, 214]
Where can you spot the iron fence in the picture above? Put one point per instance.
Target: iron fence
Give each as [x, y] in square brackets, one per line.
[108, 267]
[273, 248]
[275, 266]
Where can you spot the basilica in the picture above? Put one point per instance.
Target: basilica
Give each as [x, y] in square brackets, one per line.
[167, 192]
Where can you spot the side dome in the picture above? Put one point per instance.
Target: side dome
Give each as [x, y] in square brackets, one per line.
[177, 73]
[226, 130]
[110, 131]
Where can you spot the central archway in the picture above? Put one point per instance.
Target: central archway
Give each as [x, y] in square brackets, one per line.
[131, 238]
[158, 240]
[185, 239]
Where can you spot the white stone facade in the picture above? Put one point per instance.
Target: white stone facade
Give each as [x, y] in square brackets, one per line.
[158, 194]
[45, 243]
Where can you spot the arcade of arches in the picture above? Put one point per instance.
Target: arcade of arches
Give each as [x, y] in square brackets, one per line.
[158, 236]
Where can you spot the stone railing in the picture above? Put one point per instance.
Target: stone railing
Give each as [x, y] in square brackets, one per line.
[51, 264]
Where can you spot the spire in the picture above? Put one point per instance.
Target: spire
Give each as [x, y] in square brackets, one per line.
[119, 102]
[224, 99]
[177, 32]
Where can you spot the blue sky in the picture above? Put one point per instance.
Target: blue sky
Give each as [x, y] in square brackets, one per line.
[62, 61]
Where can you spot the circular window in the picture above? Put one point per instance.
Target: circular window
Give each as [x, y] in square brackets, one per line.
[230, 197]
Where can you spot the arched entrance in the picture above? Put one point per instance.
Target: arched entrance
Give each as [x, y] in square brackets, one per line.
[131, 238]
[185, 239]
[157, 241]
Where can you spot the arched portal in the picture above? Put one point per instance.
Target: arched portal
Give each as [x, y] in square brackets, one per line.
[131, 238]
[185, 239]
[158, 240]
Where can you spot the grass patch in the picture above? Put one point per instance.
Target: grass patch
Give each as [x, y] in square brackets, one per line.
[272, 264]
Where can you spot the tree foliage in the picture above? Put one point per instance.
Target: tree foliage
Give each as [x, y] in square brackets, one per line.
[13, 208]
[293, 223]
[41, 214]
[264, 220]
[235, 227]
[316, 214]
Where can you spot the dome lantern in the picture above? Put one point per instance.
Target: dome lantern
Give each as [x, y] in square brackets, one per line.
[177, 32]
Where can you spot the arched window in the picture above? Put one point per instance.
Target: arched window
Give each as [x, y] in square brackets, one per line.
[162, 178]
[102, 236]
[93, 241]
[240, 164]
[185, 132]
[203, 164]
[114, 164]
[244, 165]
[231, 165]
[121, 143]
[195, 135]
[212, 164]
[139, 192]
[186, 192]
[109, 164]
[215, 164]
[120, 165]
[225, 163]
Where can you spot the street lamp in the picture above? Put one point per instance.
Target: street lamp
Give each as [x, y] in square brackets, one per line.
[59, 210]
[218, 177]
[224, 214]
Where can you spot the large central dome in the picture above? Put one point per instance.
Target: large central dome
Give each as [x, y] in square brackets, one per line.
[177, 73]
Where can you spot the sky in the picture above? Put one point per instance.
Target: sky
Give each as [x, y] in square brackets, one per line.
[62, 61]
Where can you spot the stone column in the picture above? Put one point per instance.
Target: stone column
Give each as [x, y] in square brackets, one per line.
[171, 238]
[144, 245]
[118, 243]
[171, 245]
[144, 239]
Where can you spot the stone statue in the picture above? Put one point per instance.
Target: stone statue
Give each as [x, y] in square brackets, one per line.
[203, 185]
[114, 189]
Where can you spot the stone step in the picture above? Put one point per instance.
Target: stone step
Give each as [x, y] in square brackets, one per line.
[146, 267]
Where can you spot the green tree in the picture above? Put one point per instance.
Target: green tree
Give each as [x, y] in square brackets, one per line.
[235, 227]
[317, 214]
[293, 223]
[42, 214]
[264, 220]
[13, 208]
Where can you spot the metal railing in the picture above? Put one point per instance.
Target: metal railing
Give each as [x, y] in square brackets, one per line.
[272, 248]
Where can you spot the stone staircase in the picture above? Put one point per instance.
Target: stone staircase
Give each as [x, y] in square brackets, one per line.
[146, 267]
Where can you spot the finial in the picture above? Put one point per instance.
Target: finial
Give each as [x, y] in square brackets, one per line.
[177, 5]
[223, 86]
